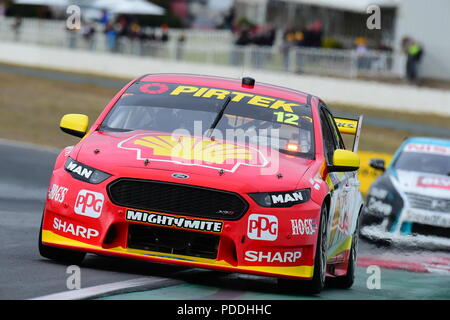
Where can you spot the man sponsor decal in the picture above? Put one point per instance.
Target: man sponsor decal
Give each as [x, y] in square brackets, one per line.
[73, 229]
[281, 257]
[287, 197]
[303, 226]
[89, 203]
[81, 171]
[262, 227]
[172, 221]
[57, 193]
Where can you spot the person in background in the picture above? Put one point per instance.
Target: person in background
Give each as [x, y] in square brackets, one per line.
[363, 61]
[104, 19]
[414, 52]
[180, 44]
[312, 35]
[72, 36]
[111, 38]
[237, 53]
[165, 33]
[16, 26]
[286, 46]
[3, 9]
[88, 33]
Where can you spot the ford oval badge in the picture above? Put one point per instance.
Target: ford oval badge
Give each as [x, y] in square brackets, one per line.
[180, 176]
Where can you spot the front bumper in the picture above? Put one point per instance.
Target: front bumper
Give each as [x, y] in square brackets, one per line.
[411, 227]
[376, 233]
[290, 253]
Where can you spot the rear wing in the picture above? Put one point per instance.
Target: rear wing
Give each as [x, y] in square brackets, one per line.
[351, 126]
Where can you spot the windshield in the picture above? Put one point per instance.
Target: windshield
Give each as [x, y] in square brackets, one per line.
[424, 158]
[236, 116]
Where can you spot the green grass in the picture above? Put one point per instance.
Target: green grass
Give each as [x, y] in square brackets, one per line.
[31, 108]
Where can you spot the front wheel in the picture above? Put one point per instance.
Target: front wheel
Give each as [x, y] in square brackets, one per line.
[346, 282]
[317, 283]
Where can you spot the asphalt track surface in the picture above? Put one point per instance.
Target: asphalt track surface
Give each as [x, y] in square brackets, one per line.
[24, 175]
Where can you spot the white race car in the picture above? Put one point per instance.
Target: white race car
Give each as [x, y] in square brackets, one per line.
[409, 204]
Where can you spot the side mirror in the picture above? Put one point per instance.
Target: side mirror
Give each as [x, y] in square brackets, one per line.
[344, 161]
[378, 164]
[75, 124]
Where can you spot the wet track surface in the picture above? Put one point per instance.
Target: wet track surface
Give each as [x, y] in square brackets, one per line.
[24, 176]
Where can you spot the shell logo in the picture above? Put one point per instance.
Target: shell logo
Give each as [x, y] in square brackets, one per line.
[190, 150]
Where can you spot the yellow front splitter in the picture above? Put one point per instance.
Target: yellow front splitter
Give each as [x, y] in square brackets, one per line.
[304, 272]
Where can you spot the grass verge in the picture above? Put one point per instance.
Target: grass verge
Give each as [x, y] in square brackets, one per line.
[31, 108]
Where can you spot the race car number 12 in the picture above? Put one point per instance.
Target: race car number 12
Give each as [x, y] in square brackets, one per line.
[289, 118]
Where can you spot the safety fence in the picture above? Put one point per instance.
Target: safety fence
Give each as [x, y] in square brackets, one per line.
[206, 46]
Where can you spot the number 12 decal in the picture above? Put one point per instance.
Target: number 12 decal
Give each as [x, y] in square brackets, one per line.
[289, 118]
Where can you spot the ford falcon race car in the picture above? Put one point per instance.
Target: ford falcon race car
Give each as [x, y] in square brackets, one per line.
[213, 173]
[409, 204]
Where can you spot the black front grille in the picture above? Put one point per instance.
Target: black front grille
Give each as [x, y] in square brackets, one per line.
[428, 203]
[177, 199]
[167, 240]
[427, 230]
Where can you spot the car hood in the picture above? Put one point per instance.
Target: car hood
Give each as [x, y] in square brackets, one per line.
[215, 162]
[426, 184]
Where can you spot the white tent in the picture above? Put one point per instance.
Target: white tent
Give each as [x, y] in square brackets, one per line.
[45, 2]
[129, 7]
[349, 5]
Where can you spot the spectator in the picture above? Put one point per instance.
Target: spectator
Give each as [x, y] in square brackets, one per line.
[414, 53]
[16, 26]
[3, 7]
[104, 19]
[111, 38]
[88, 33]
[312, 35]
[180, 44]
[291, 38]
[237, 53]
[165, 33]
[264, 38]
[72, 36]
[286, 45]
[363, 60]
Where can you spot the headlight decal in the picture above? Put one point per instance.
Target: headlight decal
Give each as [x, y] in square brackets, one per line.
[85, 173]
[384, 200]
[284, 199]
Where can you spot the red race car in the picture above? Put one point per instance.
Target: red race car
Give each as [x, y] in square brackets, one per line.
[214, 173]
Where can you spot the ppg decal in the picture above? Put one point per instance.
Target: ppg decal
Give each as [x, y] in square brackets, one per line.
[262, 227]
[89, 203]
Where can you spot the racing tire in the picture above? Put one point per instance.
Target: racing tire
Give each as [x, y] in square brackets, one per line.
[317, 283]
[346, 282]
[58, 254]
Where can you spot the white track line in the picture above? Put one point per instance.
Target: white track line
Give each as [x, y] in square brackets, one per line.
[147, 283]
